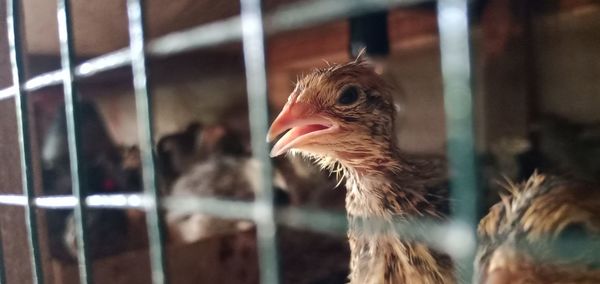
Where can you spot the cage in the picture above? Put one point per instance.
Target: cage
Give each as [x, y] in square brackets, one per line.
[132, 132]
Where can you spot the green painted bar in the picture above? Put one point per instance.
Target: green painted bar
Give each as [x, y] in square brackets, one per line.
[78, 178]
[458, 102]
[256, 83]
[2, 266]
[16, 60]
[141, 82]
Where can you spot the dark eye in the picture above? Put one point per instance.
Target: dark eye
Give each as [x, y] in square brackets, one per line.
[348, 96]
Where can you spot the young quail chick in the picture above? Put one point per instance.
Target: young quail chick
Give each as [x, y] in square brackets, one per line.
[343, 116]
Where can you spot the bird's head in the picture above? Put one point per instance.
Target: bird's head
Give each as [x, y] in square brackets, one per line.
[343, 113]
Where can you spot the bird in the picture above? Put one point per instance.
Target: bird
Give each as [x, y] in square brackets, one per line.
[223, 177]
[208, 161]
[342, 116]
[521, 234]
[178, 152]
[105, 173]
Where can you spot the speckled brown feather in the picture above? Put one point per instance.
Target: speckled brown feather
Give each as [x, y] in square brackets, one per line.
[518, 233]
[382, 182]
[385, 257]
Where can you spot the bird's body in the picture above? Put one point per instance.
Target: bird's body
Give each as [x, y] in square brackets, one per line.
[343, 118]
[521, 233]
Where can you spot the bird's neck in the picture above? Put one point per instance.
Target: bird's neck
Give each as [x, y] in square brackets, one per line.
[389, 185]
[384, 188]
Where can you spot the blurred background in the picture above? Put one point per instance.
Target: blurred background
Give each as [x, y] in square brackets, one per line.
[536, 66]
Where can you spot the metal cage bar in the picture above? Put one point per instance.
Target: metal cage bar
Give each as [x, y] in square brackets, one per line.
[256, 81]
[78, 178]
[453, 25]
[16, 60]
[141, 84]
[2, 266]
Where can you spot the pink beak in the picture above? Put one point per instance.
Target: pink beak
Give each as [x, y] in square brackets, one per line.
[302, 121]
[501, 276]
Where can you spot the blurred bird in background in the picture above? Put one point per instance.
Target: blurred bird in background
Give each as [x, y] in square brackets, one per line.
[214, 167]
[105, 173]
[180, 151]
[343, 117]
[520, 237]
[176, 153]
[208, 161]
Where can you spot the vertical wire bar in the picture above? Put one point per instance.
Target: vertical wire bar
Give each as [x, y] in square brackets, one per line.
[2, 267]
[458, 102]
[16, 61]
[78, 178]
[135, 12]
[256, 83]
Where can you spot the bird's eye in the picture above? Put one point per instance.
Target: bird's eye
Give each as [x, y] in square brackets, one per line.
[348, 96]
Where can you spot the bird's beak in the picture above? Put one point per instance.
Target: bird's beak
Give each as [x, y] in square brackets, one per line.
[500, 276]
[302, 121]
[501, 267]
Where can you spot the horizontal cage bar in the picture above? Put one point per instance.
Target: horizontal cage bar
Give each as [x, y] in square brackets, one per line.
[291, 17]
[322, 221]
